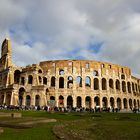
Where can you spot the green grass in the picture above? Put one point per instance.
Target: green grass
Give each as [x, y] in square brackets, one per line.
[75, 126]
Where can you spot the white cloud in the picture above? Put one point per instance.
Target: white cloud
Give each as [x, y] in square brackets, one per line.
[50, 29]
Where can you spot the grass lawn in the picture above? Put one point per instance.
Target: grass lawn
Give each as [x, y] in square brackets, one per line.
[71, 126]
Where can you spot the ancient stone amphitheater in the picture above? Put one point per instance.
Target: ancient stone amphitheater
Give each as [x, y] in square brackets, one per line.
[62, 83]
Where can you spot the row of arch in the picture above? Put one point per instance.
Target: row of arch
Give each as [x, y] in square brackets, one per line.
[124, 86]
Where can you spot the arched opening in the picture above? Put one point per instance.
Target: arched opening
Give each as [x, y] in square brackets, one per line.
[96, 84]
[129, 87]
[111, 83]
[1, 99]
[88, 82]
[40, 71]
[37, 100]
[125, 103]
[40, 79]
[61, 101]
[53, 81]
[70, 82]
[112, 102]
[130, 103]
[104, 86]
[52, 101]
[79, 101]
[135, 105]
[16, 76]
[97, 101]
[88, 102]
[69, 101]
[117, 85]
[8, 99]
[95, 73]
[30, 79]
[61, 72]
[61, 82]
[123, 86]
[123, 76]
[79, 81]
[133, 88]
[20, 96]
[104, 102]
[28, 100]
[119, 103]
[44, 80]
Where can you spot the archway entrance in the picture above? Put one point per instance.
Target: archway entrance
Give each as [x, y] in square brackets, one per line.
[97, 101]
[69, 101]
[104, 102]
[119, 103]
[112, 102]
[37, 100]
[125, 103]
[8, 99]
[28, 100]
[61, 101]
[20, 96]
[88, 102]
[79, 101]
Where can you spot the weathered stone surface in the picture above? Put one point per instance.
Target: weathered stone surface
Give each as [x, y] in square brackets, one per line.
[62, 83]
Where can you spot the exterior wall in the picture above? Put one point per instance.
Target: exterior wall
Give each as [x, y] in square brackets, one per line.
[33, 85]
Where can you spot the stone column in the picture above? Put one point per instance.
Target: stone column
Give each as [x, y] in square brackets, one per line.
[65, 101]
[12, 96]
[101, 102]
[4, 101]
[74, 101]
[83, 101]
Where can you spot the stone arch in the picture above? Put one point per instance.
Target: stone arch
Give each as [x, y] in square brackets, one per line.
[52, 101]
[104, 102]
[88, 101]
[117, 84]
[44, 80]
[69, 101]
[96, 84]
[135, 104]
[79, 81]
[119, 103]
[28, 100]
[79, 101]
[130, 103]
[52, 98]
[20, 96]
[61, 101]
[129, 87]
[133, 88]
[136, 87]
[111, 85]
[30, 79]
[125, 103]
[123, 76]
[87, 81]
[61, 72]
[95, 73]
[37, 100]
[123, 86]
[70, 82]
[40, 71]
[53, 81]
[104, 84]
[112, 102]
[97, 101]
[61, 82]
[40, 79]
[16, 76]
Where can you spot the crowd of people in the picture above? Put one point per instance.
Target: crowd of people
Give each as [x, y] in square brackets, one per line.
[64, 109]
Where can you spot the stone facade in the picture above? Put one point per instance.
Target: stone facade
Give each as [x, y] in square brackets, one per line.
[62, 83]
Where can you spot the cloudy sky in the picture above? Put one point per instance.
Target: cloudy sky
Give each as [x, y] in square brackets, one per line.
[103, 30]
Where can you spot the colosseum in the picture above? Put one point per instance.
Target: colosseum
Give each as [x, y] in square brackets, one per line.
[62, 83]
